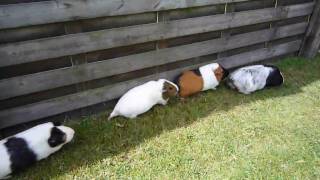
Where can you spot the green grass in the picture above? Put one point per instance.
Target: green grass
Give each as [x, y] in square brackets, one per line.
[271, 134]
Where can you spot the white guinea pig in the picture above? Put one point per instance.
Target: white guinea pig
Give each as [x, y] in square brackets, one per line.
[24, 149]
[252, 78]
[140, 99]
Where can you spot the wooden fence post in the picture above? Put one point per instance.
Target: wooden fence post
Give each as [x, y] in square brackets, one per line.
[311, 43]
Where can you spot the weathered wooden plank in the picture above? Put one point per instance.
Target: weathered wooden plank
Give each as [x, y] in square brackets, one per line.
[120, 51]
[289, 2]
[31, 33]
[31, 68]
[83, 99]
[311, 43]
[29, 51]
[253, 4]
[191, 39]
[110, 22]
[27, 14]
[47, 80]
[261, 54]
[293, 10]
[292, 21]
[177, 14]
[6, 2]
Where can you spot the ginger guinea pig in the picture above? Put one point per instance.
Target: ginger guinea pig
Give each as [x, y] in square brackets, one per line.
[142, 98]
[201, 79]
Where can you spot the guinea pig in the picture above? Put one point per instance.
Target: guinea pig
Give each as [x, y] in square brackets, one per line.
[252, 78]
[201, 79]
[140, 99]
[24, 149]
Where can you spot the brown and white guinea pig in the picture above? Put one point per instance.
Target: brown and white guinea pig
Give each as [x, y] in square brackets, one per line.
[201, 79]
[24, 149]
[140, 99]
[252, 78]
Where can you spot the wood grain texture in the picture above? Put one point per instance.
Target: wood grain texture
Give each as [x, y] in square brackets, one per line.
[31, 33]
[67, 103]
[260, 54]
[30, 51]
[17, 15]
[52, 79]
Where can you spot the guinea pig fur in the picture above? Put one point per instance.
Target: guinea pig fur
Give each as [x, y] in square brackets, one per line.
[140, 99]
[201, 79]
[252, 78]
[24, 149]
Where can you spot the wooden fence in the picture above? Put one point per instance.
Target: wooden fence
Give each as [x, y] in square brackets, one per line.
[65, 55]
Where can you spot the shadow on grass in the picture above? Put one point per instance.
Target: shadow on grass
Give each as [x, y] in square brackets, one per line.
[97, 139]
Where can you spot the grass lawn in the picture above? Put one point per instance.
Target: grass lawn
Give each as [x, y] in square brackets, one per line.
[271, 134]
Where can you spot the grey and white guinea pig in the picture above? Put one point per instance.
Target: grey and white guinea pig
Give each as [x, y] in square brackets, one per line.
[252, 78]
[24, 149]
[140, 99]
[200, 79]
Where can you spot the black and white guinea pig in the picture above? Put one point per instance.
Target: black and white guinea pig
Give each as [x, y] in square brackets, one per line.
[200, 79]
[142, 98]
[252, 78]
[24, 149]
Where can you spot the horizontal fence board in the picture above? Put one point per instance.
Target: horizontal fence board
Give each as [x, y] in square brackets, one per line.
[288, 2]
[31, 68]
[52, 79]
[253, 4]
[31, 33]
[110, 22]
[260, 54]
[83, 99]
[29, 51]
[5, 2]
[177, 14]
[18, 15]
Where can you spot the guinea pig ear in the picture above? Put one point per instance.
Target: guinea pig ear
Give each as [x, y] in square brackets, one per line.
[218, 73]
[168, 90]
[166, 87]
[57, 123]
[57, 137]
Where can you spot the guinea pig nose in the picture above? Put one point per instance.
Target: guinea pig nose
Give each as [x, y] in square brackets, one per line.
[69, 132]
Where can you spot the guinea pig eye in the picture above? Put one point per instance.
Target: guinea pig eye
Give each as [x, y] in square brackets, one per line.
[57, 137]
